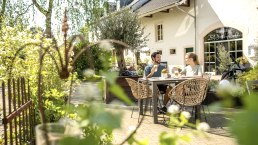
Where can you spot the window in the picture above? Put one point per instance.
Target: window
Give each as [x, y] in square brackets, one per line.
[189, 49]
[160, 52]
[172, 51]
[228, 38]
[159, 32]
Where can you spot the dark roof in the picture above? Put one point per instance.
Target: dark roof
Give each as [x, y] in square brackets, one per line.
[154, 5]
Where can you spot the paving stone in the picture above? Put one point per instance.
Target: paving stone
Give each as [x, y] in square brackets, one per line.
[152, 131]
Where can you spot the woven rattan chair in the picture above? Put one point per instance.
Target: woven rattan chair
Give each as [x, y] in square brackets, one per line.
[206, 76]
[140, 91]
[190, 93]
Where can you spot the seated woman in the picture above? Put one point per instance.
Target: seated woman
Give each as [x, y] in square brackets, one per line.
[193, 67]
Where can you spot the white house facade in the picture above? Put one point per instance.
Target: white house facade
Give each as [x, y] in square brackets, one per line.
[201, 26]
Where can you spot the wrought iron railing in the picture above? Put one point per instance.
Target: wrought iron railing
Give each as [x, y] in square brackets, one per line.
[18, 112]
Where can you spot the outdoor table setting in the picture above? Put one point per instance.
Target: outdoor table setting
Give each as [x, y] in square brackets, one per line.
[154, 81]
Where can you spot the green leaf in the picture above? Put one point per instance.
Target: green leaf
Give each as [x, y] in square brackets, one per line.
[73, 141]
[143, 142]
[244, 126]
[108, 120]
[251, 102]
[168, 139]
[110, 77]
[119, 92]
[185, 138]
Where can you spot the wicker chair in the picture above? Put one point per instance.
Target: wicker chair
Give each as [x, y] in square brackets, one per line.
[206, 76]
[140, 91]
[190, 93]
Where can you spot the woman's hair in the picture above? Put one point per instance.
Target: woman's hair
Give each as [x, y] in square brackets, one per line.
[194, 57]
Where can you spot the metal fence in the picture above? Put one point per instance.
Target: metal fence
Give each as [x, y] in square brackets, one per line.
[18, 112]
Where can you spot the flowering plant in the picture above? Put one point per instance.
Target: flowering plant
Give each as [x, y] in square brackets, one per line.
[177, 120]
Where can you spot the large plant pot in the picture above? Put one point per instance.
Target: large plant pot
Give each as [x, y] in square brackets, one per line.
[121, 81]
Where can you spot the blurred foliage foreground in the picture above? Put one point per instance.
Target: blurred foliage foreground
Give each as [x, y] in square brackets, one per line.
[243, 122]
[96, 122]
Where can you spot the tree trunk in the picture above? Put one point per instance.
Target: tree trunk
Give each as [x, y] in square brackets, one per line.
[137, 56]
[120, 59]
[47, 13]
[2, 13]
[48, 26]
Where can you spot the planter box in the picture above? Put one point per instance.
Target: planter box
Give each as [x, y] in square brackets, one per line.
[124, 85]
[212, 97]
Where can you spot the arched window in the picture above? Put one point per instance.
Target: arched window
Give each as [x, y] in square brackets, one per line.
[227, 38]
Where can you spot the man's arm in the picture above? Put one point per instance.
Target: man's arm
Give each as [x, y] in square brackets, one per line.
[149, 72]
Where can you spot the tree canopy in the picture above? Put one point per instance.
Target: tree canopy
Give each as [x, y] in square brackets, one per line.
[80, 12]
[13, 13]
[123, 26]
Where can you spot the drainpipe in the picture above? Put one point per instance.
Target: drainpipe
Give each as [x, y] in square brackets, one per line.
[195, 27]
[179, 2]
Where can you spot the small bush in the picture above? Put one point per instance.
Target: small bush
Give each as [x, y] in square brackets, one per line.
[96, 57]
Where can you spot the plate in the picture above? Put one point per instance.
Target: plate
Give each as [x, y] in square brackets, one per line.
[155, 77]
[186, 77]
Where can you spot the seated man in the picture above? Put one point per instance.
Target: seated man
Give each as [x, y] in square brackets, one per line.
[154, 70]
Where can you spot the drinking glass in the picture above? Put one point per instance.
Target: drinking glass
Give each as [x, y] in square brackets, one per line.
[164, 75]
[176, 73]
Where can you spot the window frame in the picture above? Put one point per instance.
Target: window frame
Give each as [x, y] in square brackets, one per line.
[159, 32]
[229, 37]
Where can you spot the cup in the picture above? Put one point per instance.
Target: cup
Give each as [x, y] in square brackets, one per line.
[164, 75]
[54, 133]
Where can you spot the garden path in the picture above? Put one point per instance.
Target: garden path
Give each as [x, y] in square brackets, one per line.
[217, 135]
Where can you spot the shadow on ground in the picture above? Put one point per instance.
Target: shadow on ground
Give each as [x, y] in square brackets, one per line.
[218, 121]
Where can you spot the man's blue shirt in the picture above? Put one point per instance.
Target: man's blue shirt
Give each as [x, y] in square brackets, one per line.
[148, 68]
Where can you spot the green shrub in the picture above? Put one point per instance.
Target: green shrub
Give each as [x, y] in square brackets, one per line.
[26, 64]
[213, 85]
[250, 75]
[97, 57]
[140, 69]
